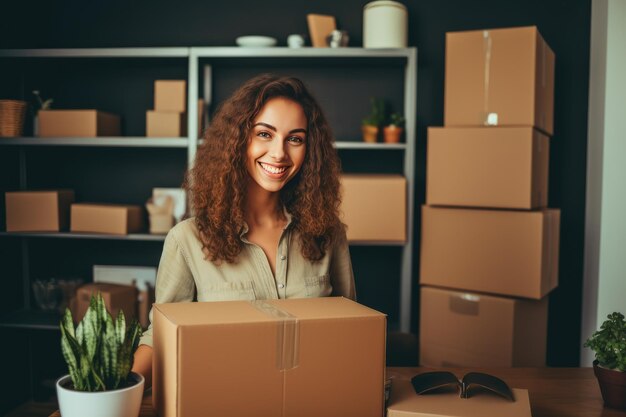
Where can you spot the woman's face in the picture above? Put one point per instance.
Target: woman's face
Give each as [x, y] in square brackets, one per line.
[277, 144]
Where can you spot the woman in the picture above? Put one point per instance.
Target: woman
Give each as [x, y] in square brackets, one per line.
[265, 192]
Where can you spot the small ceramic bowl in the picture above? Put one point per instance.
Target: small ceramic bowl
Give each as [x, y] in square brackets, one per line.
[256, 41]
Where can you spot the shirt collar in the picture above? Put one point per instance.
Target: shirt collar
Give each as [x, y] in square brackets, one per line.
[245, 228]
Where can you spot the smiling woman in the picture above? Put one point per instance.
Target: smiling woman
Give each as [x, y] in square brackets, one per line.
[265, 192]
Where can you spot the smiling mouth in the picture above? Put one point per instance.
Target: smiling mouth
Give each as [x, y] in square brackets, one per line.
[270, 169]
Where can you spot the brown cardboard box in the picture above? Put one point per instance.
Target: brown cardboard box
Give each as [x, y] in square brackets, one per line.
[295, 357]
[461, 329]
[374, 207]
[165, 124]
[38, 211]
[404, 402]
[170, 96]
[116, 298]
[77, 123]
[501, 252]
[502, 77]
[503, 167]
[106, 218]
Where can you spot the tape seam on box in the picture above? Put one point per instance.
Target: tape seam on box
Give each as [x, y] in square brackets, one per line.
[288, 334]
[490, 119]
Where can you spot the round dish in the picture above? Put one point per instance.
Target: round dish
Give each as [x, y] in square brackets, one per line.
[256, 41]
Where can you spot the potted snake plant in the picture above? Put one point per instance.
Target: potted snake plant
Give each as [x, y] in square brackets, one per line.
[609, 345]
[99, 355]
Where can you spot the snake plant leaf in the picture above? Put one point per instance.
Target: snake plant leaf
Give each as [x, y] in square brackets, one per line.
[90, 332]
[120, 327]
[67, 322]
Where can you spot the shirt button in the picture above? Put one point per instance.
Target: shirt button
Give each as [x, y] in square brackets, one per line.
[281, 285]
[283, 257]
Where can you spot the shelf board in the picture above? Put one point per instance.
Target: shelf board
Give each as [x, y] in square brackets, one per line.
[103, 141]
[164, 52]
[96, 236]
[306, 52]
[365, 145]
[31, 319]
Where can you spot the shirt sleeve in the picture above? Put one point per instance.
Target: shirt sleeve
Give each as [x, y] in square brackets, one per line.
[174, 282]
[341, 275]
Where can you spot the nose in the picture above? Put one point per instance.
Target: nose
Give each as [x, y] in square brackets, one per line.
[277, 149]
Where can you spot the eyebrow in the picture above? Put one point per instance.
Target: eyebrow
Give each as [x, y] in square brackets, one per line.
[269, 126]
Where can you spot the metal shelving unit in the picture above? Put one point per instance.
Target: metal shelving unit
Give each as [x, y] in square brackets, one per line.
[193, 55]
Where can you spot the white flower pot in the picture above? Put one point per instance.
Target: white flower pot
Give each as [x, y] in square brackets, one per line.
[124, 402]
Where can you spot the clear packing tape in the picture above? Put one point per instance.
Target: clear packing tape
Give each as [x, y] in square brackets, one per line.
[491, 118]
[288, 334]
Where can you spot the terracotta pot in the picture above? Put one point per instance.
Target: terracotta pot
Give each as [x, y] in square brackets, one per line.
[370, 133]
[393, 134]
[612, 385]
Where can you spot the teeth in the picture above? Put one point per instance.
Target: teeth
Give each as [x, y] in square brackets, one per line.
[272, 169]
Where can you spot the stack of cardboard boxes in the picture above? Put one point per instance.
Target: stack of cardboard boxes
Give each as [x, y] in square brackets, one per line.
[169, 117]
[490, 245]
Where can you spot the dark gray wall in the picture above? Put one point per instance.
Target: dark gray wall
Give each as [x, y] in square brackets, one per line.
[564, 24]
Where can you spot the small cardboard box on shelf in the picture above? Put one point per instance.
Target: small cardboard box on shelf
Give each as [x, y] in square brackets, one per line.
[165, 124]
[116, 297]
[272, 353]
[106, 218]
[77, 123]
[38, 211]
[170, 96]
[374, 207]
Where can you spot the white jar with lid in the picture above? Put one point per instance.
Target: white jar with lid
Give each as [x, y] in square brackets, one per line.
[385, 24]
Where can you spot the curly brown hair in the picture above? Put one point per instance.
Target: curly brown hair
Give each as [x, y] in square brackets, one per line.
[217, 183]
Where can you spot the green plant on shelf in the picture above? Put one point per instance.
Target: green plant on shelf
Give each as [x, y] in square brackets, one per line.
[377, 115]
[99, 351]
[396, 119]
[42, 104]
[609, 343]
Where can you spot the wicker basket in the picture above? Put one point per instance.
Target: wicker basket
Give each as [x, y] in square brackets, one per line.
[12, 114]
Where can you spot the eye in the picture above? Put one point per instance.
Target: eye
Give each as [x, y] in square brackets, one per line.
[295, 140]
[264, 134]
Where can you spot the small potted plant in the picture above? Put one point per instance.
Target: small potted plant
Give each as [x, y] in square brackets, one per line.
[609, 345]
[372, 122]
[41, 105]
[393, 131]
[99, 355]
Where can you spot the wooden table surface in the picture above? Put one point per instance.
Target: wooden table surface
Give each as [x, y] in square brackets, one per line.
[554, 392]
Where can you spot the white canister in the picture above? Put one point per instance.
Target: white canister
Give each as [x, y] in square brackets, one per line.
[385, 24]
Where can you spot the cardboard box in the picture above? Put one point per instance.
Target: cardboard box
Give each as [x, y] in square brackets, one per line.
[461, 329]
[513, 253]
[374, 207]
[142, 277]
[165, 124]
[501, 77]
[106, 218]
[116, 298]
[293, 357]
[170, 96]
[503, 167]
[77, 123]
[38, 211]
[404, 402]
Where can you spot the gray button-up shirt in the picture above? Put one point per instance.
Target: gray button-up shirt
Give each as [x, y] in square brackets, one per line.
[185, 275]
